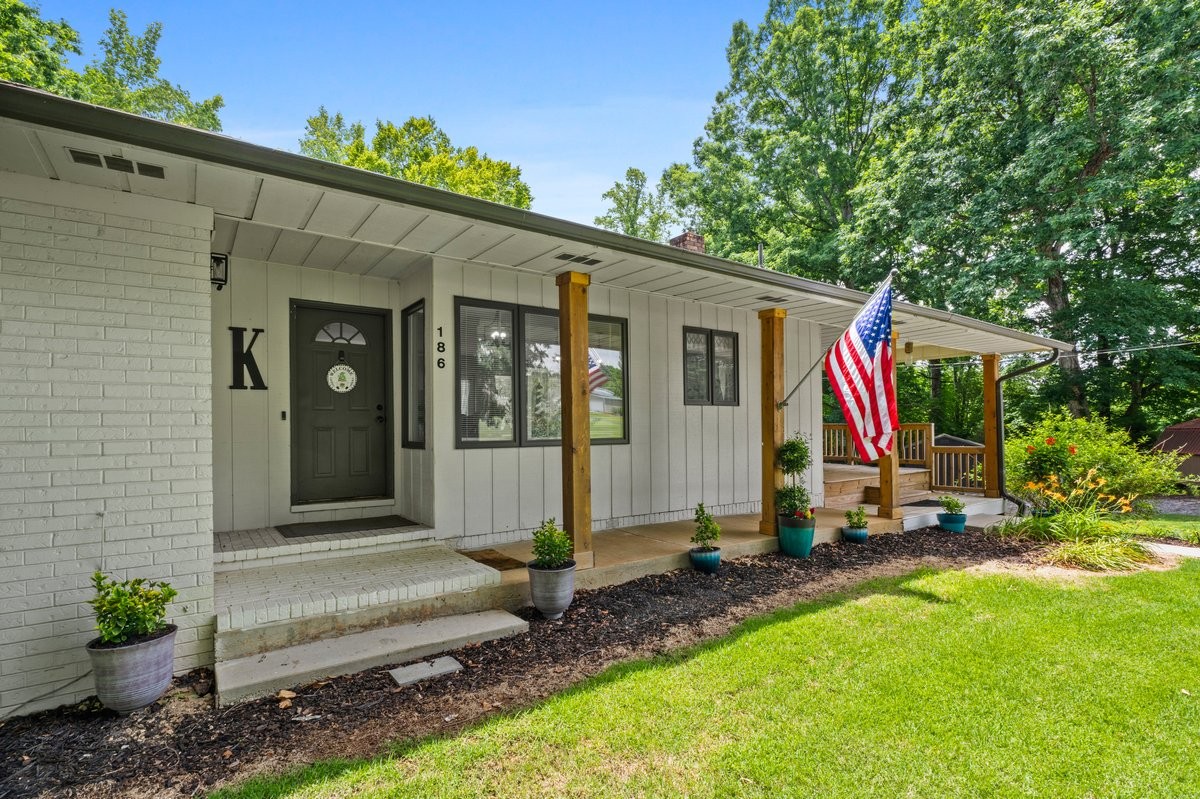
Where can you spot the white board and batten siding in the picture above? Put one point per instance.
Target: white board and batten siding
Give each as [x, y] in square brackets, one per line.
[251, 438]
[677, 455]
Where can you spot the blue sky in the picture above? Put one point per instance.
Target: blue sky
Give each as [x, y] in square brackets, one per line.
[573, 93]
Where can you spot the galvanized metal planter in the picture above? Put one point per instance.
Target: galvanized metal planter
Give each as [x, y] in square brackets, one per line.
[133, 675]
[552, 590]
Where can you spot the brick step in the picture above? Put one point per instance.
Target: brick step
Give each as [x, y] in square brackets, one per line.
[248, 549]
[253, 676]
[263, 608]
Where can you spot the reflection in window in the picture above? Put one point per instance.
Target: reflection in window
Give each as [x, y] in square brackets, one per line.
[414, 375]
[485, 375]
[543, 378]
[710, 367]
[341, 333]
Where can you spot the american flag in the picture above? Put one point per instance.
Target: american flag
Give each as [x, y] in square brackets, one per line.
[859, 367]
[596, 375]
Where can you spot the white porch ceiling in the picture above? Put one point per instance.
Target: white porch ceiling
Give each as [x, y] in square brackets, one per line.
[271, 218]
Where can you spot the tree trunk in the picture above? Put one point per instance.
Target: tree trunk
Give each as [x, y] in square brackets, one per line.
[935, 394]
[1059, 301]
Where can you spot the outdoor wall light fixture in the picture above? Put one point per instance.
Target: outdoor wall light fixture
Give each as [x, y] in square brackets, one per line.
[218, 270]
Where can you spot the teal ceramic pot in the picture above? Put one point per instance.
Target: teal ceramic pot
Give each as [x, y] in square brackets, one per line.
[952, 522]
[855, 535]
[796, 536]
[705, 560]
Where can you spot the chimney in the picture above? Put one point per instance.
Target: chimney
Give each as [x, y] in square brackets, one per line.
[689, 240]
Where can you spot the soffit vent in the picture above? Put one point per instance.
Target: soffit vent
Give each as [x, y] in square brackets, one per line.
[577, 259]
[85, 158]
[772, 298]
[117, 164]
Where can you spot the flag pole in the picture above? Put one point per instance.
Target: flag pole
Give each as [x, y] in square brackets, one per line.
[783, 403]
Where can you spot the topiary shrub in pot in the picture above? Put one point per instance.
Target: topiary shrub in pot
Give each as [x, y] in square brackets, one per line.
[952, 519]
[856, 525]
[552, 571]
[704, 556]
[133, 658]
[797, 518]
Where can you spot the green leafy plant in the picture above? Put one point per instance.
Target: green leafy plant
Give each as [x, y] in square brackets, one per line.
[951, 504]
[1109, 553]
[707, 529]
[793, 500]
[130, 608]
[1061, 446]
[551, 546]
[794, 456]
[857, 518]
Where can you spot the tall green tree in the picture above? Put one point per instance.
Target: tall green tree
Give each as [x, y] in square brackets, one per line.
[34, 51]
[417, 150]
[636, 208]
[1048, 178]
[794, 132]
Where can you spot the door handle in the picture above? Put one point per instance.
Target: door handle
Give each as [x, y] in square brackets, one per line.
[381, 419]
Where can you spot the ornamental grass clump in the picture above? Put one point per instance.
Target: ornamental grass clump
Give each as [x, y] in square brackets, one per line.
[551, 546]
[129, 609]
[1079, 522]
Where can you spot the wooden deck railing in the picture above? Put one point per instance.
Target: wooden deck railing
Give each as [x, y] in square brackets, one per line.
[914, 443]
[958, 469]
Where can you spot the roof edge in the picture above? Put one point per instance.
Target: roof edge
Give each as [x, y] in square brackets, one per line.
[35, 106]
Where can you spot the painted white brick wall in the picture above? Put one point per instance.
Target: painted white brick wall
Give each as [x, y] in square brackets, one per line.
[105, 423]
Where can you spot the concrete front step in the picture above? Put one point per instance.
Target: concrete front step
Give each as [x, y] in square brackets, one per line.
[263, 674]
[249, 549]
[267, 607]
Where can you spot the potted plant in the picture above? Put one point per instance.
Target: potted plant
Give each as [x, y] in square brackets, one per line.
[856, 525]
[704, 556]
[551, 572]
[797, 518]
[133, 658]
[952, 519]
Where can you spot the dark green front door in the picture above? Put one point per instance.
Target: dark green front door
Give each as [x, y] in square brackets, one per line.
[341, 398]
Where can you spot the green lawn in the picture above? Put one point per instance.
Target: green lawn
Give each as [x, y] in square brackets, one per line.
[938, 684]
[1169, 525]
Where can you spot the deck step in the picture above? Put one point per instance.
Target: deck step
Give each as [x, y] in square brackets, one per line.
[264, 674]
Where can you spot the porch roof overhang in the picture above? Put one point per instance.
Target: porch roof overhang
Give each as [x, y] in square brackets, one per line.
[278, 206]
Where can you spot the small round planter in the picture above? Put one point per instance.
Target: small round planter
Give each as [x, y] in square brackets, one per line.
[796, 536]
[132, 675]
[552, 590]
[952, 522]
[855, 535]
[707, 560]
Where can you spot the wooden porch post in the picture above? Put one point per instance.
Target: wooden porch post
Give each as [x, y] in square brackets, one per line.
[576, 423]
[771, 375]
[991, 427]
[889, 465]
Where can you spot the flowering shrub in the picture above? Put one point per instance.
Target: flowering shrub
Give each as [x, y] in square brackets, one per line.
[1061, 445]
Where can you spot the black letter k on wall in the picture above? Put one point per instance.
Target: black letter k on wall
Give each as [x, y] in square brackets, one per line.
[243, 360]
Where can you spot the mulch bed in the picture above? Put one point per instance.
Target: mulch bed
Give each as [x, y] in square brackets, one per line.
[183, 745]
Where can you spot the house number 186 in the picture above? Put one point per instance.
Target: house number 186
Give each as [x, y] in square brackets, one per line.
[441, 348]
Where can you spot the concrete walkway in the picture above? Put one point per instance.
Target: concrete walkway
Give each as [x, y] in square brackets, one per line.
[1176, 550]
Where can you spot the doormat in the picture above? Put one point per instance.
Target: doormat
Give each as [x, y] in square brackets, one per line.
[305, 529]
[497, 560]
[923, 503]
